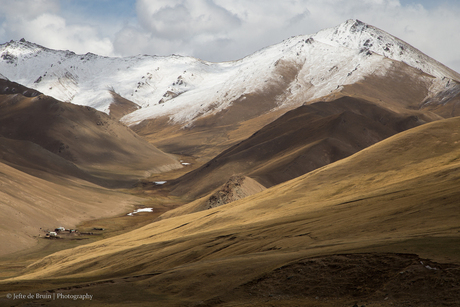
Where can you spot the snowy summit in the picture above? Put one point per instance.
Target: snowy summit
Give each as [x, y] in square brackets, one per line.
[186, 88]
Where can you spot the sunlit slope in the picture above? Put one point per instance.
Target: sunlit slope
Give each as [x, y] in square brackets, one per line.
[405, 187]
[28, 203]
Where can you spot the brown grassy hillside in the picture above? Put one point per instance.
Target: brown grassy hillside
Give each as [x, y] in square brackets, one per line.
[300, 141]
[88, 138]
[121, 106]
[51, 156]
[35, 160]
[397, 196]
[29, 204]
[236, 188]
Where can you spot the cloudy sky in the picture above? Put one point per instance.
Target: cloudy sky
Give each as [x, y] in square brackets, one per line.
[221, 30]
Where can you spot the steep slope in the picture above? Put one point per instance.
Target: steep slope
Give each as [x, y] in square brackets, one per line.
[81, 135]
[355, 34]
[446, 102]
[33, 159]
[399, 195]
[300, 141]
[176, 100]
[121, 106]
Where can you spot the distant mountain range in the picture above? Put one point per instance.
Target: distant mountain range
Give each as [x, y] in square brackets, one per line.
[149, 93]
[185, 89]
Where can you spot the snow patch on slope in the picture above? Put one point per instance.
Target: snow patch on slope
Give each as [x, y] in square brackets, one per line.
[357, 35]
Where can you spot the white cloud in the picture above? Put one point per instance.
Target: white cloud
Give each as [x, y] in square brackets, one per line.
[26, 9]
[40, 22]
[52, 31]
[220, 30]
[133, 40]
[190, 27]
[181, 19]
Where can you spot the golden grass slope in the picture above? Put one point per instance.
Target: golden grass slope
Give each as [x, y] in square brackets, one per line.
[402, 189]
[28, 203]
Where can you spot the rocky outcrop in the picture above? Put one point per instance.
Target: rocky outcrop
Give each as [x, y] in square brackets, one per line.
[237, 187]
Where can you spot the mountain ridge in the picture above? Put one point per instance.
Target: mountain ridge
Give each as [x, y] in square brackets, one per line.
[300, 141]
[185, 89]
[80, 139]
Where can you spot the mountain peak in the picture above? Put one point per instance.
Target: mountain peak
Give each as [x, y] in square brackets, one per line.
[12, 50]
[21, 43]
[15, 49]
[355, 25]
[355, 34]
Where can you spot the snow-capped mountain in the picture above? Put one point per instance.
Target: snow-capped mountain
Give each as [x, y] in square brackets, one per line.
[185, 88]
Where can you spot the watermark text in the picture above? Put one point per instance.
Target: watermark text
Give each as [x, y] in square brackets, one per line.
[49, 296]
